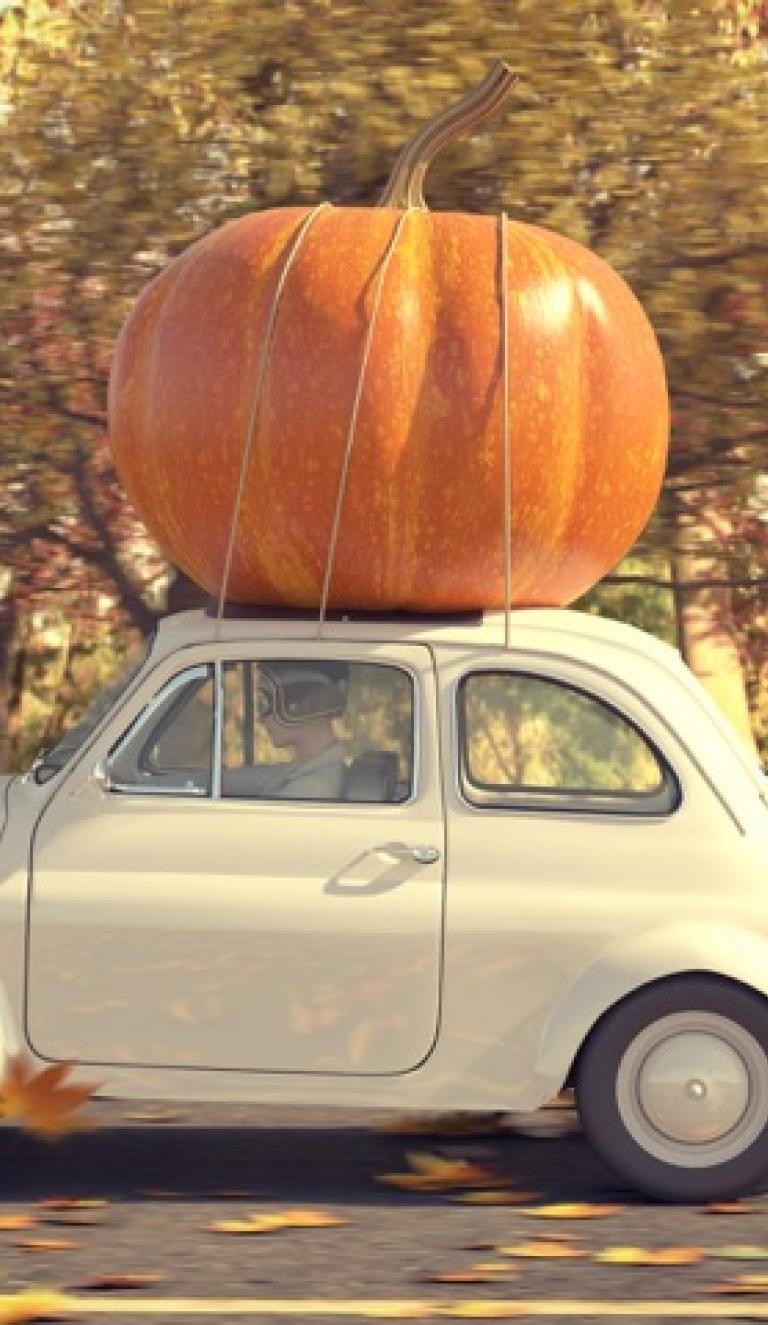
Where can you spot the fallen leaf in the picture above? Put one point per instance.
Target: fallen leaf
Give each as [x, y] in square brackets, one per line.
[496, 1198]
[273, 1223]
[746, 1283]
[455, 1172]
[108, 1283]
[439, 1173]
[730, 1208]
[570, 1210]
[309, 1219]
[649, 1256]
[33, 1304]
[745, 1253]
[46, 1244]
[39, 1100]
[16, 1223]
[542, 1250]
[70, 1203]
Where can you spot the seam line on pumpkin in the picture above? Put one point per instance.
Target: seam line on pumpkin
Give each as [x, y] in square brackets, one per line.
[266, 346]
[352, 428]
[507, 522]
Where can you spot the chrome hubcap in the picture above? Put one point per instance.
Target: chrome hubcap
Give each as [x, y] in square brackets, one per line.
[692, 1089]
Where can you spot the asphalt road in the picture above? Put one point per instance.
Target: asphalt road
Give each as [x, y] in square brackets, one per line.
[165, 1174]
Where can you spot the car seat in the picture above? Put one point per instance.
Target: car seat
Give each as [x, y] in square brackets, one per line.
[372, 776]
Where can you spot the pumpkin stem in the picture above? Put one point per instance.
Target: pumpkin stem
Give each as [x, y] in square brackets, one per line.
[404, 188]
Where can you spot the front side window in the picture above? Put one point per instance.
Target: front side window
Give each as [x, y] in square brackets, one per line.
[530, 740]
[169, 747]
[324, 730]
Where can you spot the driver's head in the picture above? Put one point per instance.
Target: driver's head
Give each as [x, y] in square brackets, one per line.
[293, 696]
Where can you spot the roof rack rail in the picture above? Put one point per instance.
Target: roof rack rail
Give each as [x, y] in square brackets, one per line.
[249, 611]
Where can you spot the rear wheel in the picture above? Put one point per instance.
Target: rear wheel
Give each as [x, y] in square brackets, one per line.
[672, 1089]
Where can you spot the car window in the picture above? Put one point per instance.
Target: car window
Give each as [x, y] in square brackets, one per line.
[327, 730]
[532, 740]
[169, 746]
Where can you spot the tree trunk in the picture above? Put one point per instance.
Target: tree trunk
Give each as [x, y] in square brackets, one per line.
[183, 594]
[708, 639]
[9, 622]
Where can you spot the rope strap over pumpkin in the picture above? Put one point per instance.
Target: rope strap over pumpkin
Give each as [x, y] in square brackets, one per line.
[250, 434]
[351, 430]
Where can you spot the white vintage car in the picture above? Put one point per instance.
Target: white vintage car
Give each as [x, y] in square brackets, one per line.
[398, 864]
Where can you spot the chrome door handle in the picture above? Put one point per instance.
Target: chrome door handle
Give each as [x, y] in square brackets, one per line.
[421, 854]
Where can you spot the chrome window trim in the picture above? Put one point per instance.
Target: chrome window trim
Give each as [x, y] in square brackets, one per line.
[201, 671]
[593, 803]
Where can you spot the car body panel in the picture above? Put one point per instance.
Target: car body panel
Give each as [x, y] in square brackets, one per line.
[550, 916]
[247, 935]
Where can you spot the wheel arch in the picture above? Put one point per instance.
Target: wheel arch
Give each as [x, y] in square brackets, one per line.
[719, 952]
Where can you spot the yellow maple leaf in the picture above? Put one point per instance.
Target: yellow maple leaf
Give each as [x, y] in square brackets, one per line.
[39, 1100]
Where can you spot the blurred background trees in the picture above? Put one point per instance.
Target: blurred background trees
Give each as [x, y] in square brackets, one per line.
[129, 128]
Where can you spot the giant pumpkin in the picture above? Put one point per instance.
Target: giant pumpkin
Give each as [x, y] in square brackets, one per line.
[390, 408]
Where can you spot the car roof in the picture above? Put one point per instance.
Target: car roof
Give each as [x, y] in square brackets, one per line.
[606, 644]
[566, 629]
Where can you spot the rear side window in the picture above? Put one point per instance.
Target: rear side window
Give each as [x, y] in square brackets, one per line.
[528, 740]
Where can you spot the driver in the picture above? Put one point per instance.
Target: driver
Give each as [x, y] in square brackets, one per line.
[297, 703]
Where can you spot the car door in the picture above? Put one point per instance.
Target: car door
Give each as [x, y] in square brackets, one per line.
[181, 917]
[575, 820]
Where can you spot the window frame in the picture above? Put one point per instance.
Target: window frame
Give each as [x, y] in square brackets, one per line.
[134, 730]
[663, 802]
[351, 661]
[209, 667]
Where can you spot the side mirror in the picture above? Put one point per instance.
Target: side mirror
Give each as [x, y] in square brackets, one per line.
[99, 777]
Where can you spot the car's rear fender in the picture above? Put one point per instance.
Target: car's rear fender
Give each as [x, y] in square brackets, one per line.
[626, 965]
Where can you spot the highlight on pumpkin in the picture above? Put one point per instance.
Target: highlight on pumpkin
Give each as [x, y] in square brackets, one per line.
[309, 406]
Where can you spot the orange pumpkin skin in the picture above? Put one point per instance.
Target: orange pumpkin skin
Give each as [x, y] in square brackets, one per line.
[422, 521]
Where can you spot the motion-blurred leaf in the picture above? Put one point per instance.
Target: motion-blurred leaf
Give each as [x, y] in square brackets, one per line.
[570, 1210]
[649, 1256]
[40, 1101]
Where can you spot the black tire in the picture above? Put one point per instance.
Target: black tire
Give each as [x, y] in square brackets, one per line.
[643, 1089]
